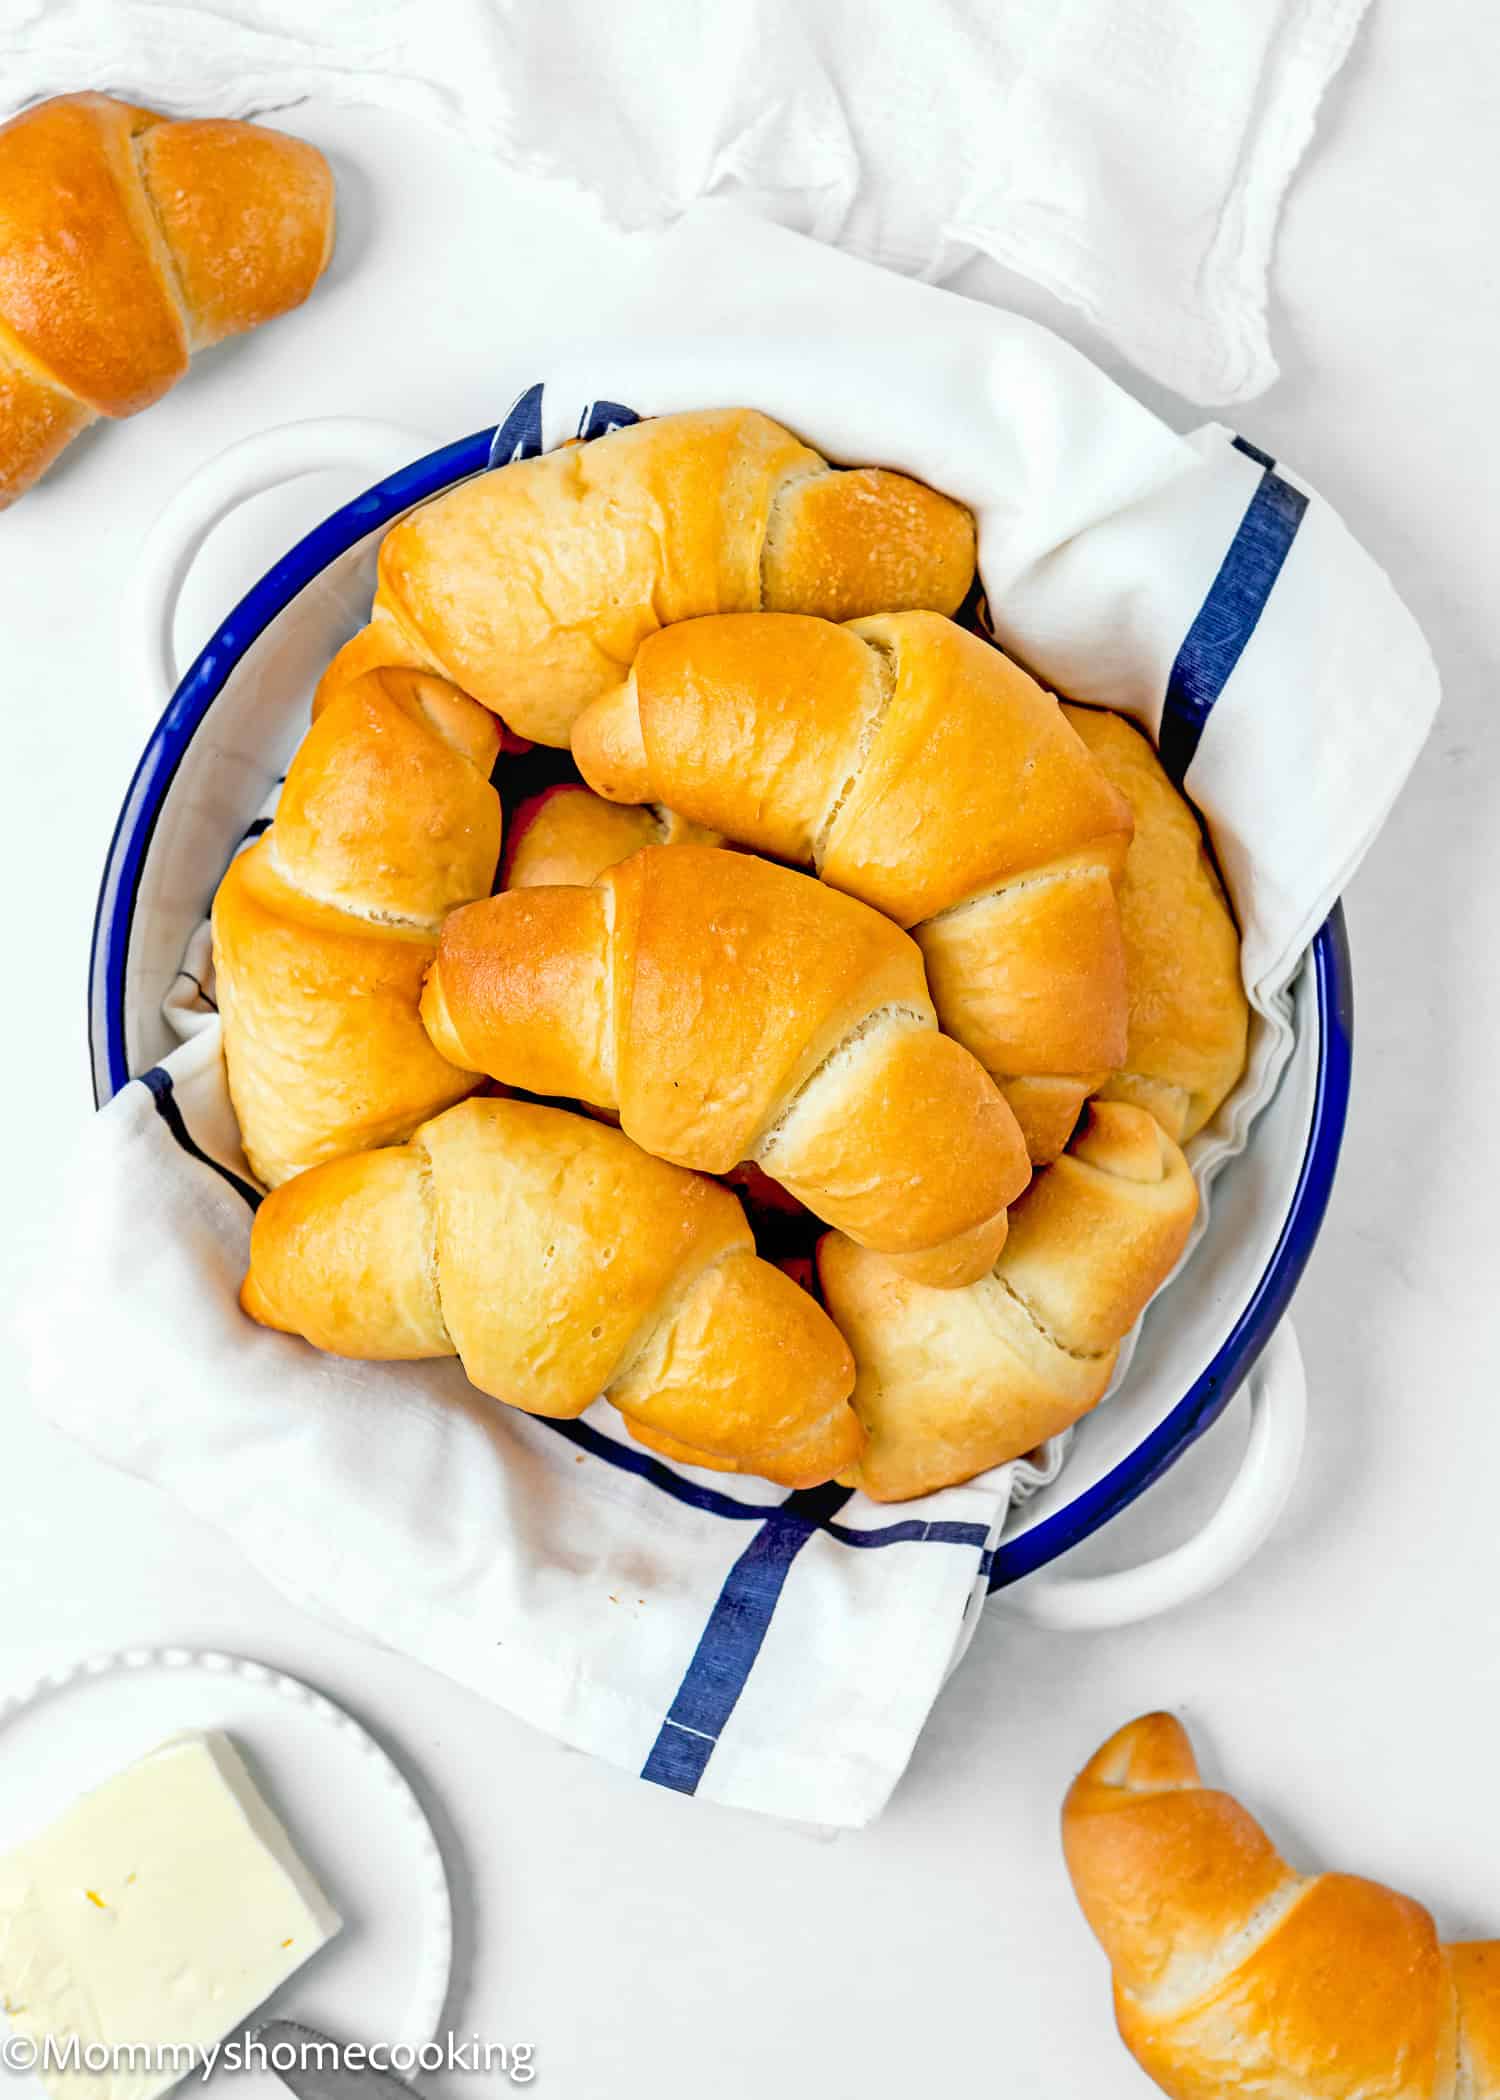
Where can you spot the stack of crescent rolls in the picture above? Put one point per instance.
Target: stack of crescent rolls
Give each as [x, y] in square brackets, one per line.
[833, 902]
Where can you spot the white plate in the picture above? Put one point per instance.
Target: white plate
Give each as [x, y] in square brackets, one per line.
[352, 1815]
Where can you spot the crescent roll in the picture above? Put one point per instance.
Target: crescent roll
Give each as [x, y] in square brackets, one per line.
[323, 930]
[950, 1383]
[533, 586]
[567, 834]
[1189, 1018]
[1236, 1975]
[128, 241]
[559, 1262]
[732, 1010]
[918, 769]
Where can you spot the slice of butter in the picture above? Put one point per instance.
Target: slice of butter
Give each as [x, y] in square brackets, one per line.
[154, 1917]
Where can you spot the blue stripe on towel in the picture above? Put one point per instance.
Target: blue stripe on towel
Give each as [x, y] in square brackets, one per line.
[732, 1639]
[912, 1532]
[629, 1458]
[599, 418]
[1228, 616]
[520, 434]
[159, 1085]
[1262, 459]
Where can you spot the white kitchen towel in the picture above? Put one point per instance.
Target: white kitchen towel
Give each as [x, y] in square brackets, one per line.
[715, 1635]
[1130, 156]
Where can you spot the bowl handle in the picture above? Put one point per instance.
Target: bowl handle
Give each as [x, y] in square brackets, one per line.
[1278, 1423]
[266, 460]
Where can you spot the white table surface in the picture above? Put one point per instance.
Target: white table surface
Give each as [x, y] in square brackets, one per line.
[1349, 1681]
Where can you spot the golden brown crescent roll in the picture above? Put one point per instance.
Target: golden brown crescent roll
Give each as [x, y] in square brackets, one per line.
[952, 1382]
[917, 768]
[127, 242]
[567, 834]
[1236, 1975]
[323, 930]
[733, 1010]
[559, 1262]
[1189, 1018]
[533, 586]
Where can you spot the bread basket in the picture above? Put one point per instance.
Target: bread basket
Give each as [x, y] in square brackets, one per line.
[228, 727]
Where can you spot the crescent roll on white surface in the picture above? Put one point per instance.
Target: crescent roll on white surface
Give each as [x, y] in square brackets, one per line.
[323, 930]
[533, 586]
[732, 1010]
[1236, 1975]
[128, 241]
[1189, 1018]
[916, 768]
[559, 1262]
[952, 1382]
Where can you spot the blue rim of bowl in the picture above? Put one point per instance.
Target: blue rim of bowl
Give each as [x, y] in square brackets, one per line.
[135, 827]
[1215, 1386]
[114, 915]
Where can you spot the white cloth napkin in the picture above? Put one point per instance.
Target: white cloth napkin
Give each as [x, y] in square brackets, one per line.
[1130, 156]
[713, 1634]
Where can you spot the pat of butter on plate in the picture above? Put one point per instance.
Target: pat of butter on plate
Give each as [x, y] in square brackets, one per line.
[158, 1913]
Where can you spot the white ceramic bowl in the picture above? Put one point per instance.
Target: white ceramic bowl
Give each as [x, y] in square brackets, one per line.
[227, 731]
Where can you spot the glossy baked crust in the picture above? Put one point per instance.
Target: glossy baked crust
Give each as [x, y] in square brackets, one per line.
[623, 1275]
[1189, 1018]
[533, 586]
[917, 768]
[567, 834]
[731, 1010]
[324, 929]
[127, 242]
[951, 1382]
[1235, 1975]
